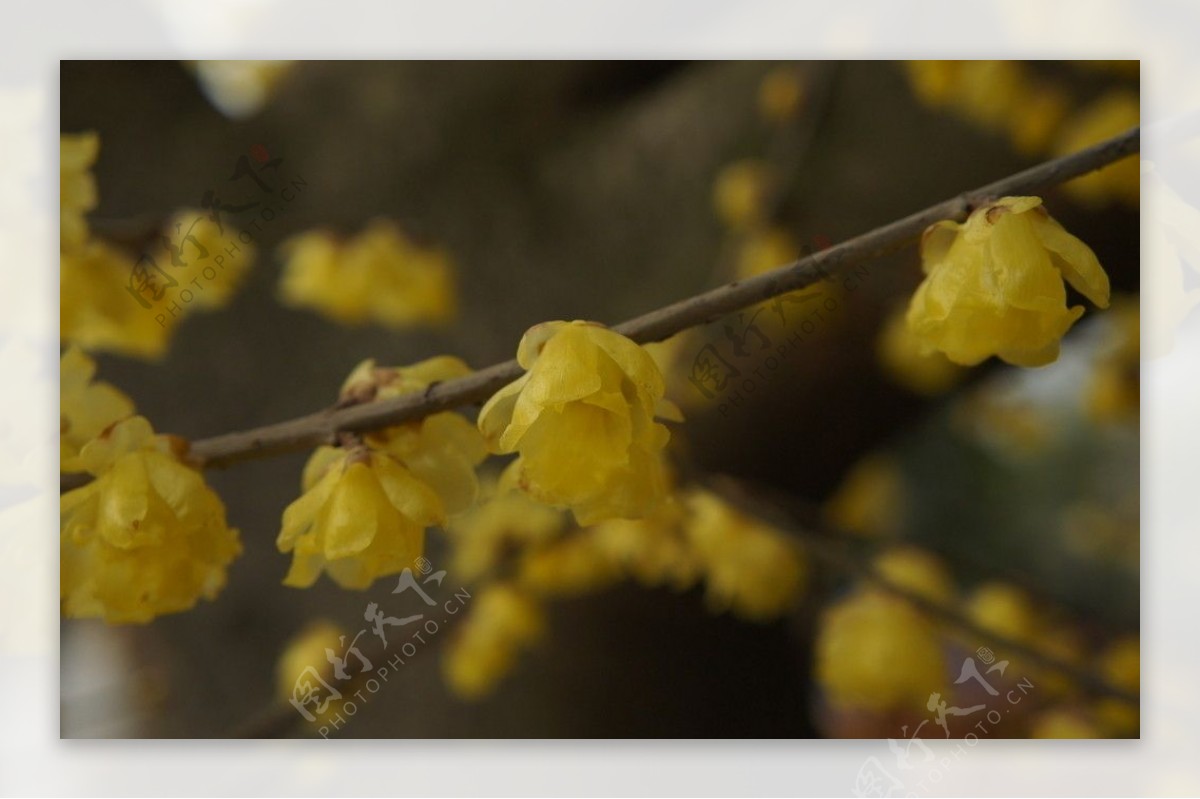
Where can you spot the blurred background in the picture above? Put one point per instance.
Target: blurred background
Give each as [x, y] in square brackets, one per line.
[600, 190]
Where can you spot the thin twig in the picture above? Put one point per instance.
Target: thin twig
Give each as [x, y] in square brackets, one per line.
[825, 545]
[322, 427]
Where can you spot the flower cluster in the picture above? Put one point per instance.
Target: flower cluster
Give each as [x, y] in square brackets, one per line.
[146, 536]
[583, 420]
[365, 507]
[994, 285]
[380, 276]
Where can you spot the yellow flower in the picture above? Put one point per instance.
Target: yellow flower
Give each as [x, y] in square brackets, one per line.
[933, 82]
[870, 500]
[86, 407]
[209, 263]
[147, 536]
[362, 516]
[501, 623]
[907, 362]
[764, 250]
[569, 566]
[507, 520]
[780, 94]
[441, 449]
[918, 571]
[1062, 723]
[740, 194]
[653, 550]
[304, 650]
[994, 285]
[1110, 115]
[1004, 610]
[1121, 666]
[1034, 125]
[876, 652]
[582, 418]
[76, 185]
[749, 567]
[98, 313]
[380, 275]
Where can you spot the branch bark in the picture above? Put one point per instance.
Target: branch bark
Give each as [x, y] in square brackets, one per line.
[323, 426]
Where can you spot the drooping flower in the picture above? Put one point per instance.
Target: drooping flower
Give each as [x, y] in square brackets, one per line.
[503, 620]
[441, 449]
[582, 419]
[362, 516]
[146, 536]
[86, 406]
[878, 653]
[1110, 115]
[77, 186]
[380, 275]
[749, 567]
[994, 285]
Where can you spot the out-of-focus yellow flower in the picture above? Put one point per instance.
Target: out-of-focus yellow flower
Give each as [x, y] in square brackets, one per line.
[209, 263]
[1034, 126]
[918, 571]
[507, 520]
[876, 652]
[781, 93]
[870, 500]
[569, 566]
[1110, 115]
[1062, 723]
[304, 650]
[908, 363]
[76, 185]
[1004, 610]
[749, 567]
[1121, 665]
[1100, 531]
[362, 516]
[653, 550]
[238, 89]
[86, 407]
[994, 285]
[582, 418]
[441, 449]
[741, 192]
[147, 536]
[764, 250]
[1113, 392]
[98, 313]
[984, 91]
[503, 620]
[380, 275]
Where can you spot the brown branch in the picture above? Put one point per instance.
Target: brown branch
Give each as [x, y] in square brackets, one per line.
[826, 545]
[322, 427]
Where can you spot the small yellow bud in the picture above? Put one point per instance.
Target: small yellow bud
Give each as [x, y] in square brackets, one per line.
[740, 194]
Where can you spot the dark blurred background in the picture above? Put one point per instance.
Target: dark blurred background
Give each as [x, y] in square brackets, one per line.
[562, 190]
